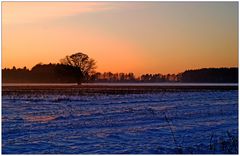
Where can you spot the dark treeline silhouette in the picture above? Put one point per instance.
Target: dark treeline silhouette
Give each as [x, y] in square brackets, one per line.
[43, 73]
[213, 75]
[130, 77]
[113, 77]
[65, 73]
[205, 75]
[79, 67]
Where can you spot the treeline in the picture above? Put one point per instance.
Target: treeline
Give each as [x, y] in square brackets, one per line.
[213, 75]
[130, 77]
[205, 75]
[43, 73]
[61, 73]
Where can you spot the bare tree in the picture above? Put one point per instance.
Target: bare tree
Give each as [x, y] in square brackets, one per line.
[87, 65]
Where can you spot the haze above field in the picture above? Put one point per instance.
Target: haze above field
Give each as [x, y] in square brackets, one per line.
[139, 37]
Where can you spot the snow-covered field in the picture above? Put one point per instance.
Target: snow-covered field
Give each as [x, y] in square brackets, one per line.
[163, 122]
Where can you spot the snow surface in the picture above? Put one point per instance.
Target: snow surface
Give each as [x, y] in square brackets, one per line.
[113, 124]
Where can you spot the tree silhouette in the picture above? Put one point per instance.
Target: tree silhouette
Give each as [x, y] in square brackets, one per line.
[87, 65]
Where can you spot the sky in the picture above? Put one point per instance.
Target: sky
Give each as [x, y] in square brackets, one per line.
[138, 37]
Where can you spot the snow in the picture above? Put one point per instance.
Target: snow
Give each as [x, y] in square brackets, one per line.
[112, 124]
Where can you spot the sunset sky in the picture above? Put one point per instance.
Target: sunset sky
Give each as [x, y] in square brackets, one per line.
[139, 37]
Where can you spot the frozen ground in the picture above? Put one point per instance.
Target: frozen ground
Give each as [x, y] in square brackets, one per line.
[164, 122]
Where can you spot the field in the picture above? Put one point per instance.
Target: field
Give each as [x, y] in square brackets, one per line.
[119, 119]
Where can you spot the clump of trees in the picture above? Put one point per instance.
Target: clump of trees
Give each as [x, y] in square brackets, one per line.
[76, 68]
[211, 75]
[160, 78]
[113, 77]
[43, 73]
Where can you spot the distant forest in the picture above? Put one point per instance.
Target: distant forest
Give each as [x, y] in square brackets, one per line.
[59, 73]
[79, 68]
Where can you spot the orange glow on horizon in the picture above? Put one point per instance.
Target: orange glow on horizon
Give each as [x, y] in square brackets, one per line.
[138, 37]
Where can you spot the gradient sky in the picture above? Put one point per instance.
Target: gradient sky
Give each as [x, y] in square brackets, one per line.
[139, 37]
